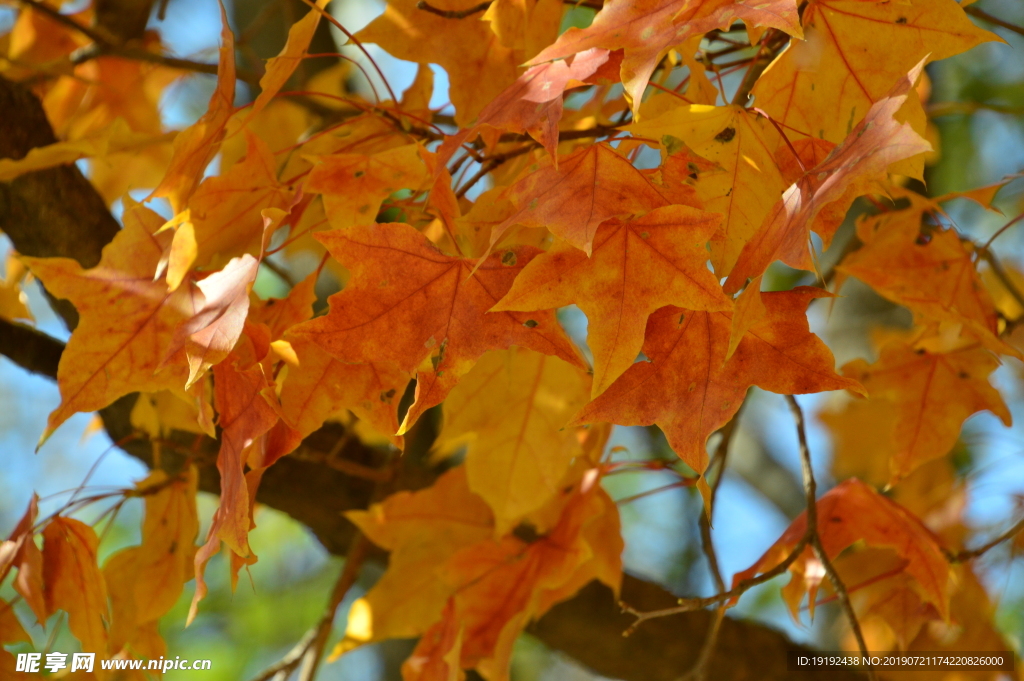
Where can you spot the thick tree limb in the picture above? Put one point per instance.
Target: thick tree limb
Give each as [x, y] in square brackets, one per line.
[589, 628]
[53, 212]
[56, 213]
[30, 349]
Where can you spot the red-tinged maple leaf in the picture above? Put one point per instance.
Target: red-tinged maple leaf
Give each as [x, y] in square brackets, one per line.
[931, 395]
[636, 267]
[408, 304]
[647, 29]
[881, 591]
[691, 390]
[532, 104]
[318, 386]
[73, 580]
[315, 385]
[439, 651]
[851, 512]
[196, 146]
[126, 320]
[446, 562]
[850, 170]
[244, 415]
[19, 550]
[585, 189]
[928, 269]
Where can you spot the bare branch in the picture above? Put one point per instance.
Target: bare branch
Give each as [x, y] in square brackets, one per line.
[810, 490]
[985, 16]
[691, 604]
[988, 256]
[30, 349]
[107, 45]
[67, 21]
[967, 555]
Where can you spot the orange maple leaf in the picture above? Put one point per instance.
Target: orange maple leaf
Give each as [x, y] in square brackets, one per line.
[585, 188]
[930, 270]
[73, 580]
[824, 85]
[196, 146]
[851, 512]
[850, 170]
[408, 303]
[19, 550]
[691, 390]
[931, 395]
[111, 356]
[354, 185]
[636, 267]
[478, 65]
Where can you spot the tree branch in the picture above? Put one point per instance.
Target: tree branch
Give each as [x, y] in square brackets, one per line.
[589, 629]
[985, 16]
[30, 349]
[810, 489]
[966, 555]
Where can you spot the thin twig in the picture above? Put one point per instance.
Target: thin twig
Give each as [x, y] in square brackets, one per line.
[357, 553]
[107, 46]
[691, 604]
[308, 651]
[810, 491]
[1002, 229]
[700, 668]
[770, 47]
[283, 274]
[988, 256]
[67, 21]
[707, 650]
[967, 555]
[985, 16]
[453, 13]
[355, 41]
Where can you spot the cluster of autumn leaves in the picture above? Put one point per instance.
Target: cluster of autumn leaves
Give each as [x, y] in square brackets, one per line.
[462, 295]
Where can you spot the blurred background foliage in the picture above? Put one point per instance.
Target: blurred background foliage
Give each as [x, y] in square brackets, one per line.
[977, 104]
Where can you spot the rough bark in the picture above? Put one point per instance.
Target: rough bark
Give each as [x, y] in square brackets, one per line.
[56, 213]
